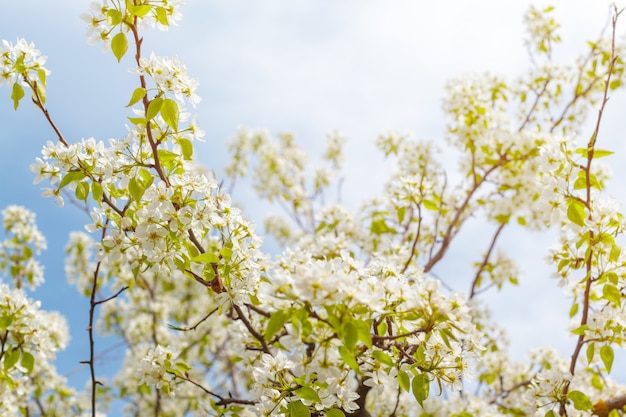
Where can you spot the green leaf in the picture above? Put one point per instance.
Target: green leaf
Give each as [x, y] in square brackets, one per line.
[580, 400]
[71, 177]
[551, 413]
[154, 107]
[138, 94]
[611, 293]
[165, 155]
[141, 11]
[227, 253]
[136, 189]
[82, 191]
[430, 205]
[114, 17]
[404, 380]
[297, 409]
[308, 393]
[170, 113]
[349, 335]
[363, 331]
[119, 45]
[207, 257]
[614, 254]
[335, 412]
[576, 212]
[137, 120]
[10, 358]
[96, 191]
[28, 361]
[17, 94]
[5, 321]
[591, 351]
[601, 153]
[186, 148]
[275, 323]
[573, 310]
[349, 359]
[401, 213]
[596, 382]
[382, 357]
[161, 16]
[183, 366]
[421, 388]
[42, 76]
[146, 177]
[615, 84]
[607, 355]
[379, 226]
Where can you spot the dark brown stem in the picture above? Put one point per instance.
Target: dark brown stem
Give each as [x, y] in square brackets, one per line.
[455, 224]
[589, 261]
[39, 103]
[195, 326]
[90, 362]
[534, 106]
[258, 336]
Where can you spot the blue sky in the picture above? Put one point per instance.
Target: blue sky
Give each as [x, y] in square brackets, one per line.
[307, 67]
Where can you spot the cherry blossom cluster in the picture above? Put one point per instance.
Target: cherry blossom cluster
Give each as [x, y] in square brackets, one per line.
[102, 17]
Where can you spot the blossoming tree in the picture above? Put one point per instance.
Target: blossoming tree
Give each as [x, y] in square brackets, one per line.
[348, 320]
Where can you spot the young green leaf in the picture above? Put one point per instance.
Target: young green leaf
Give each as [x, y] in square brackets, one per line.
[404, 380]
[421, 388]
[275, 323]
[611, 293]
[82, 191]
[186, 148]
[96, 191]
[170, 113]
[580, 400]
[28, 361]
[308, 393]
[607, 355]
[17, 94]
[138, 94]
[297, 409]
[576, 212]
[71, 176]
[114, 17]
[591, 351]
[161, 16]
[5, 321]
[119, 45]
[207, 257]
[10, 358]
[349, 335]
[136, 189]
[335, 412]
[154, 107]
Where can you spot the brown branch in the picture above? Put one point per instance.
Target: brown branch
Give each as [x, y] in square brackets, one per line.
[39, 103]
[590, 151]
[258, 336]
[195, 326]
[90, 362]
[450, 231]
[112, 297]
[222, 400]
[534, 106]
[486, 260]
